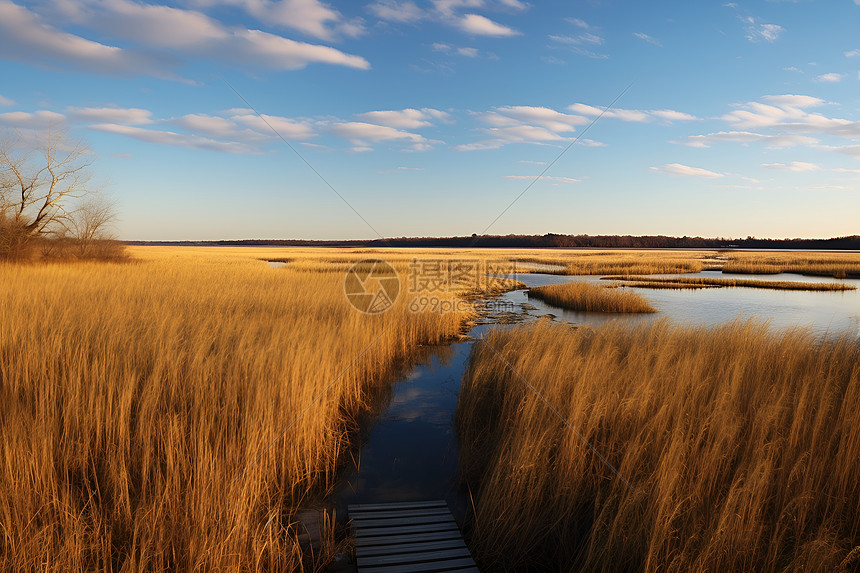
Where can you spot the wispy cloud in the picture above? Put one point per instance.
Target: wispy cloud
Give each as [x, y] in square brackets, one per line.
[746, 137]
[394, 11]
[172, 138]
[460, 14]
[6, 101]
[310, 17]
[163, 38]
[852, 53]
[125, 116]
[795, 166]
[32, 120]
[406, 118]
[755, 29]
[545, 178]
[646, 38]
[25, 36]
[677, 169]
[483, 26]
[542, 125]
[831, 77]
[634, 115]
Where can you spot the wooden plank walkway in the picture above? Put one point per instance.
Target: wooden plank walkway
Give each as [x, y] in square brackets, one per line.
[405, 537]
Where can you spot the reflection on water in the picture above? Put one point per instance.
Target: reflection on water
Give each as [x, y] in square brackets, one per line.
[822, 312]
[410, 452]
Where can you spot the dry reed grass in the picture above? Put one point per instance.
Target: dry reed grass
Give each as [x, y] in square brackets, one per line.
[698, 282]
[625, 262]
[838, 265]
[147, 409]
[591, 298]
[740, 445]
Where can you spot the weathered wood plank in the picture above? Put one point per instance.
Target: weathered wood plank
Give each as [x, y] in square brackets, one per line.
[417, 567]
[408, 538]
[390, 549]
[356, 515]
[361, 533]
[404, 558]
[390, 506]
[394, 521]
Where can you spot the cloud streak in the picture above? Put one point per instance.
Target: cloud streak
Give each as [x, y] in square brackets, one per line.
[679, 170]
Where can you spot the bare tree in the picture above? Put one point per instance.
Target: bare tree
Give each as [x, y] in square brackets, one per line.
[90, 222]
[39, 179]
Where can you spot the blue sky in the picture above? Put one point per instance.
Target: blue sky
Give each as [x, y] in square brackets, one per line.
[430, 117]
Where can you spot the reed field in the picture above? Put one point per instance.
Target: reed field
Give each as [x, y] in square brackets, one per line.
[175, 411]
[622, 262]
[591, 298]
[699, 282]
[838, 265]
[736, 449]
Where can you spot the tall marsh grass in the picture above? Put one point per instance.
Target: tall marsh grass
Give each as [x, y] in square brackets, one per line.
[738, 449]
[173, 413]
[838, 265]
[591, 298]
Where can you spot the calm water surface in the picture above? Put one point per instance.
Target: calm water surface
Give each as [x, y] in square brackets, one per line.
[410, 452]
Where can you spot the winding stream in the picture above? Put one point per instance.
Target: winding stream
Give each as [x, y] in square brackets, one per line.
[410, 452]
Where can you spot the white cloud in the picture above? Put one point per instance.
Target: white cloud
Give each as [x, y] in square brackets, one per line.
[36, 120]
[515, 4]
[672, 115]
[483, 26]
[286, 127]
[787, 114]
[25, 36]
[677, 169]
[468, 52]
[617, 113]
[364, 134]
[125, 116]
[745, 137]
[584, 38]
[796, 166]
[261, 48]
[767, 32]
[647, 38]
[458, 14]
[755, 29]
[167, 34]
[406, 118]
[172, 138]
[831, 77]
[843, 170]
[545, 177]
[583, 44]
[534, 124]
[852, 53]
[310, 17]
[794, 100]
[6, 101]
[394, 11]
[579, 22]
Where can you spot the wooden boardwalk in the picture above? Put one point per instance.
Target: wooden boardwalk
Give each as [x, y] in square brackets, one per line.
[405, 537]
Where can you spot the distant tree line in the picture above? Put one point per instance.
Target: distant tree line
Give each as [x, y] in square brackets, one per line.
[550, 240]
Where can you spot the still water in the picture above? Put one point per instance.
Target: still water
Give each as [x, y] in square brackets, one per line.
[410, 452]
[822, 312]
